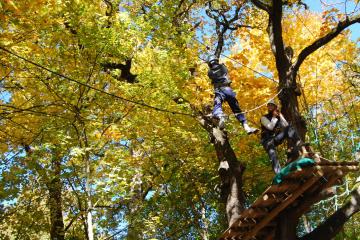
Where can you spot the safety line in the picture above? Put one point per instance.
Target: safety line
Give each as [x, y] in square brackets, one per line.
[96, 89]
[234, 60]
[119, 97]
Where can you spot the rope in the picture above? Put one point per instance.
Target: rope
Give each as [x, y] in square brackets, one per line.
[234, 60]
[122, 98]
[253, 109]
[96, 89]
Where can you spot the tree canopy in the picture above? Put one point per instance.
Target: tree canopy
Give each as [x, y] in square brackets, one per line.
[104, 129]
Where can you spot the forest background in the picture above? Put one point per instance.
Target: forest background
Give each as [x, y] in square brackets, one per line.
[103, 105]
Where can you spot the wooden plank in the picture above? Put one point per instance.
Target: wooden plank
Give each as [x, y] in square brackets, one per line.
[324, 161]
[330, 169]
[333, 171]
[245, 224]
[255, 212]
[283, 205]
[305, 205]
[283, 187]
[339, 163]
[268, 200]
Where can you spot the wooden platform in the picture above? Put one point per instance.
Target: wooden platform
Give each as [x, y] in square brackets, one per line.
[259, 220]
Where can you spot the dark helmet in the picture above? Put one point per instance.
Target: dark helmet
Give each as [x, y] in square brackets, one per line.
[212, 59]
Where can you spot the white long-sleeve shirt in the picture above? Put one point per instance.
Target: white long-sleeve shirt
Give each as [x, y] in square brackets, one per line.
[271, 124]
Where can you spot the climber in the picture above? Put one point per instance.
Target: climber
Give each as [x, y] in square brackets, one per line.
[218, 74]
[274, 130]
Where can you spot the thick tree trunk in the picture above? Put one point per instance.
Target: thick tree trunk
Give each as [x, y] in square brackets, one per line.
[287, 71]
[286, 226]
[336, 221]
[57, 231]
[230, 171]
[287, 75]
[290, 106]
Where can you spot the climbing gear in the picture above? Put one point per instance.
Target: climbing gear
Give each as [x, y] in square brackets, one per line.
[212, 59]
[219, 75]
[250, 130]
[266, 133]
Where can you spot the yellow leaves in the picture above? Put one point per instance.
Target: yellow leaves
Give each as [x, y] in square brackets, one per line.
[242, 59]
[112, 133]
[9, 5]
[3, 148]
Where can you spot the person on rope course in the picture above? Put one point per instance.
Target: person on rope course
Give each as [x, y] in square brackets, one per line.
[218, 73]
[274, 130]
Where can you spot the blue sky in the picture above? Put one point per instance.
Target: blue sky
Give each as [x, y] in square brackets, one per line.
[316, 5]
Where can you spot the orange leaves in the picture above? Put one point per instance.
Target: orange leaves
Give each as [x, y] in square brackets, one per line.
[113, 132]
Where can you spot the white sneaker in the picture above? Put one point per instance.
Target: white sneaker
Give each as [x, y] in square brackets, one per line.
[249, 130]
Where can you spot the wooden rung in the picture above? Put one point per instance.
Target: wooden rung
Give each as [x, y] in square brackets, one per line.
[331, 169]
[228, 234]
[283, 187]
[283, 205]
[232, 235]
[267, 200]
[245, 223]
[253, 212]
[339, 163]
[328, 162]
[256, 212]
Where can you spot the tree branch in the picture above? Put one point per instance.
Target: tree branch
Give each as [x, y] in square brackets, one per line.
[324, 40]
[125, 70]
[335, 222]
[224, 23]
[261, 5]
[276, 39]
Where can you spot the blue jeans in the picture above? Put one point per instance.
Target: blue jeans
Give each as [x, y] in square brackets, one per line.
[270, 144]
[227, 94]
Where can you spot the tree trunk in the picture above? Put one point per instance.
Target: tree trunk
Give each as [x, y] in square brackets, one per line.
[290, 106]
[287, 74]
[230, 171]
[205, 229]
[336, 221]
[89, 220]
[286, 226]
[57, 231]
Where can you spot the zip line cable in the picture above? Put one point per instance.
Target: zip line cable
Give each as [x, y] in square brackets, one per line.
[119, 97]
[236, 61]
[93, 88]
